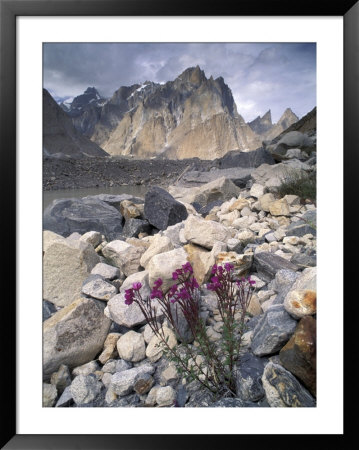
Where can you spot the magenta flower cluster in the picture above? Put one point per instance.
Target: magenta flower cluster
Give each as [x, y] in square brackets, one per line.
[130, 293]
[183, 296]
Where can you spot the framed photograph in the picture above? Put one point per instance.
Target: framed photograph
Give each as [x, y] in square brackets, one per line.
[113, 82]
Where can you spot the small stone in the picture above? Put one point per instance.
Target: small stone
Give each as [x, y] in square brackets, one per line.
[61, 379]
[265, 201]
[292, 200]
[235, 245]
[246, 211]
[48, 309]
[106, 379]
[86, 369]
[254, 307]
[169, 374]
[148, 334]
[92, 237]
[301, 302]
[123, 382]
[124, 256]
[213, 335]
[49, 395]
[129, 210]
[279, 208]
[110, 396]
[143, 383]
[160, 244]
[257, 190]
[239, 204]
[273, 331]
[292, 240]
[165, 396]
[241, 263]
[131, 347]
[151, 397]
[106, 271]
[246, 237]
[116, 365]
[109, 347]
[98, 288]
[65, 399]
[85, 389]
[154, 350]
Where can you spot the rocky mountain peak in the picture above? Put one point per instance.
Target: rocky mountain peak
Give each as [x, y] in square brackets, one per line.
[267, 116]
[262, 125]
[193, 75]
[91, 91]
[288, 118]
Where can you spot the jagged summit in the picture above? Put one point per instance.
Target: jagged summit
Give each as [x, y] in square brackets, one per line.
[264, 127]
[190, 116]
[261, 125]
[192, 75]
[268, 116]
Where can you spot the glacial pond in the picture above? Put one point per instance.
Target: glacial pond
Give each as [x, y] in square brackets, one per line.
[49, 196]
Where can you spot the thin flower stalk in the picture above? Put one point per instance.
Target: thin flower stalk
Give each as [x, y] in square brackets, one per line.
[209, 363]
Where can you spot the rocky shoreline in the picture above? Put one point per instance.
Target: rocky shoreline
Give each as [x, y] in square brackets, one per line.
[99, 352]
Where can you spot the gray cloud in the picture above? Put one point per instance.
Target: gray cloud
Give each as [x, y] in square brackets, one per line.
[261, 76]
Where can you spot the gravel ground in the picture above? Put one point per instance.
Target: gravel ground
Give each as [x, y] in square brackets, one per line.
[108, 172]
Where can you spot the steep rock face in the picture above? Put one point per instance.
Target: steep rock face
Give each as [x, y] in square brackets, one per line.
[307, 124]
[190, 116]
[85, 110]
[287, 119]
[261, 125]
[264, 127]
[60, 135]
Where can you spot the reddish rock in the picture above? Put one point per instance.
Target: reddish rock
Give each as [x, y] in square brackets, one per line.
[299, 354]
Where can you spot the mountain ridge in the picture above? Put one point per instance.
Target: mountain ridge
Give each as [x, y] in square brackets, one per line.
[190, 116]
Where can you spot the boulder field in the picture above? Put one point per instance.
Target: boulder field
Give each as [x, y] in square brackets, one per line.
[99, 352]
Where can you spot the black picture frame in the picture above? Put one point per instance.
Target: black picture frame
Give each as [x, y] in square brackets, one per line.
[9, 10]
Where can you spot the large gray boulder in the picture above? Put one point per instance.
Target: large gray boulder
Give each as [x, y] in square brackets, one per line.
[249, 377]
[272, 176]
[114, 200]
[74, 335]
[236, 158]
[162, 210]
[307, 224]
[272, 331]
[124, 256]
[268, 264]
[283, 389]
[217, 190]
[66, 264]
[205, 232]
[239, 176]
[296, 139]
[65, 216]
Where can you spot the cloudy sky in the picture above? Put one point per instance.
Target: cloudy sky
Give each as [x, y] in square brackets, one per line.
[261, 76]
